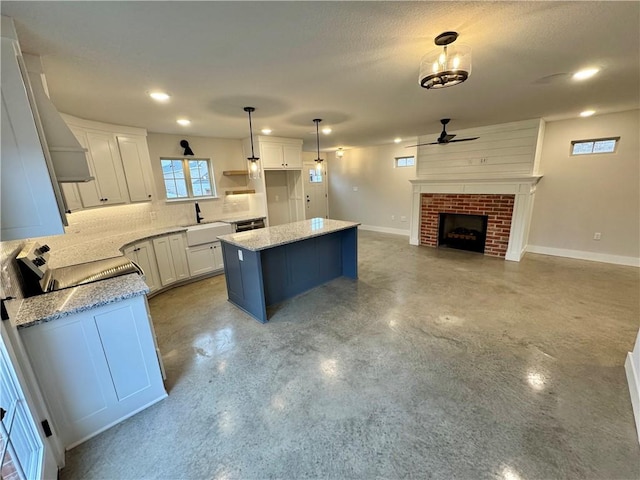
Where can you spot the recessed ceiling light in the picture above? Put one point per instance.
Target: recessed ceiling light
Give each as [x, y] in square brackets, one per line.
[184, 122]
[160, 96]
[266, 131]
[587, 113]
[586, 73]
[326, 130]
[397, 140]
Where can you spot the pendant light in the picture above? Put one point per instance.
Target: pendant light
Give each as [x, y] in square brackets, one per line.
[318, 159]
[445, 66]
[254, 166]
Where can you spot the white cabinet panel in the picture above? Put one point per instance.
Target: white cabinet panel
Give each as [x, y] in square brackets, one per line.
[134, 153]
[162, 248]
[217, 256]
[205, 258]
[96, 367]
[143, 255]
[272, 155]
[292, 156]
[28, 201]
[278, 153]
[74, 379]
[107, 167]
[179, 254]
[124, 353]
[71, 196]
[171, 257]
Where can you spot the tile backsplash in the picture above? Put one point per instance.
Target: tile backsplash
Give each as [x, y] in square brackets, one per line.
[96, 223]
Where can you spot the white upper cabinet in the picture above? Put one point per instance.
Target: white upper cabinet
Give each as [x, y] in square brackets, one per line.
[119, 160]
[134, 153]
[29, 206]
[277, 153]
[104, 161]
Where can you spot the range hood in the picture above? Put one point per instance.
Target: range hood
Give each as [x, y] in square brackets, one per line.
[67, 155]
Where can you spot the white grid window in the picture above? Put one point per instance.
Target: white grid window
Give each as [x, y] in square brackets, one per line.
[595, 146]
[404, 161]
[188, 178]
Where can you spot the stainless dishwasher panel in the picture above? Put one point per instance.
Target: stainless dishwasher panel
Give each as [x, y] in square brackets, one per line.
[249, 225]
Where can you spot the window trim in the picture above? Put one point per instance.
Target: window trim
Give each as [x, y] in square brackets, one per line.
[404, 157]
[593, 141]
[187, 177]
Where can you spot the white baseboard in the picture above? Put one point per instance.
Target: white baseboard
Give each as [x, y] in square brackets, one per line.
[582, 255]
[394, 231]
[634, 389]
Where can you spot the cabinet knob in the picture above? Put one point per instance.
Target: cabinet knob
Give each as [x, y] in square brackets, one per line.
[149, 195]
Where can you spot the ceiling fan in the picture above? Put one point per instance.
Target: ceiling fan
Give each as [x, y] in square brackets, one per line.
[445, 137]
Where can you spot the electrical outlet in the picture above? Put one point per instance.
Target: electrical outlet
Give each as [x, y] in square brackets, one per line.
[597, 236]
[355, 189]
[393, 217]
[240, 257]
[403, 218]
[153, 215]
[483, 160]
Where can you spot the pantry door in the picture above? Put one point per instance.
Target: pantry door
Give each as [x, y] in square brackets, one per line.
[315, 190]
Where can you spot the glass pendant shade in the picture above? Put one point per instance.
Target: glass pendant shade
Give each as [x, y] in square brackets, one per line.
[445, 66]
[254, 169]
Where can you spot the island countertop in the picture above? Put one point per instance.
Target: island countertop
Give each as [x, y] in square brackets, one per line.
[263, 238]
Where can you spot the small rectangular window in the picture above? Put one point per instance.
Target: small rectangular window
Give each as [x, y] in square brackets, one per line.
[315, 175]
[597, 145]
[188, 178]
[405, 161]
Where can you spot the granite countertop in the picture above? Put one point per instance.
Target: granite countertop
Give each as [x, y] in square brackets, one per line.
[91, 248]
[269, 237]
[73, 251]
[51, 306]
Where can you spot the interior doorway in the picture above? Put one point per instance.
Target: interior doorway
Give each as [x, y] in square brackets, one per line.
[315, 190]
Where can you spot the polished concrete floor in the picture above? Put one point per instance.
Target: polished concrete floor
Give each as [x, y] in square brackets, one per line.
[434, 364]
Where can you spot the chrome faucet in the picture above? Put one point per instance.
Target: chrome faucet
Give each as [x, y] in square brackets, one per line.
[198, 217]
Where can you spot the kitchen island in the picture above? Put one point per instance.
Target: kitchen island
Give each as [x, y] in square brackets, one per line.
[268, 266]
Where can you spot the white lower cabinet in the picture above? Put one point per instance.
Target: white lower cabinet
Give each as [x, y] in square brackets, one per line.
[205, 258]
[171, 257]
[143, 255]
[96, 367]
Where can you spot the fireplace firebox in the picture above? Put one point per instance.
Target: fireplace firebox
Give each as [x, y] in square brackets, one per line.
[462, 231]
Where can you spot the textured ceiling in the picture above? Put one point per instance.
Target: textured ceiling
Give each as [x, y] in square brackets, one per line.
[353, 64]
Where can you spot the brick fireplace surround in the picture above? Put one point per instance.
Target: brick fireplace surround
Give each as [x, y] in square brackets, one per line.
[499, 209]
[506, 200]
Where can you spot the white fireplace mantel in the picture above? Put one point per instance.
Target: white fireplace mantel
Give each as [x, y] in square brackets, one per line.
[523, 187]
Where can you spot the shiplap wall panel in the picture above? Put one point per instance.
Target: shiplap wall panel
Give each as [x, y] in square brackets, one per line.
[508, 148]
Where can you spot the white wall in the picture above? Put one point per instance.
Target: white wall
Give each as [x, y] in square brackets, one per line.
[581, 195]
[225, 154]
[383, 191]
[277, 197]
